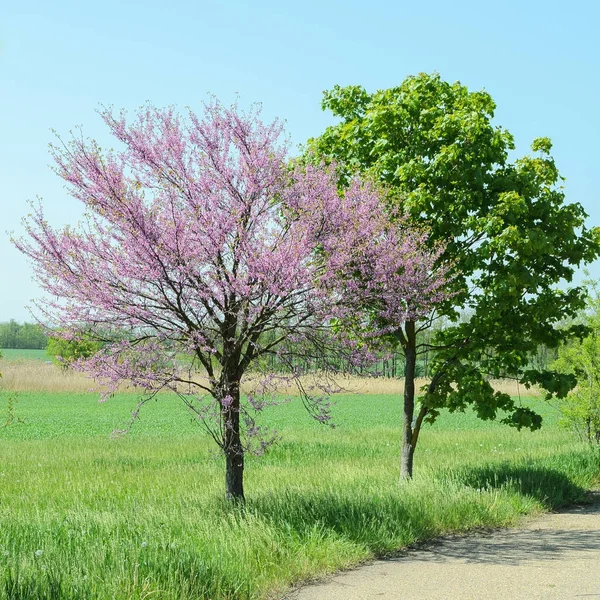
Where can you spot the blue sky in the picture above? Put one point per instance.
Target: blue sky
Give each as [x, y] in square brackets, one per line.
[59, 60]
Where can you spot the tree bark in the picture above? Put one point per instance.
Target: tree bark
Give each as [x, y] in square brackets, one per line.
[234, 474]
[408, 443]
[588, 423]
[406, 460]
[232, 446]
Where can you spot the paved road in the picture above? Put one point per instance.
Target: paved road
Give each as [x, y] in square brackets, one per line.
[556, 556]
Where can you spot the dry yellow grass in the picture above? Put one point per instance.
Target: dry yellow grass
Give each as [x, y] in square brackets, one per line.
[24, 375]
[383, 385]
[35, 376]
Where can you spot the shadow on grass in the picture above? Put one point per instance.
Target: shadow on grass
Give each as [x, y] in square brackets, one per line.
[454, 500]
[36, 586]
[375, 523]
[549, 486]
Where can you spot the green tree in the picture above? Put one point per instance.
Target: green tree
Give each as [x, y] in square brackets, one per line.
[581, 357]
[510, 235]
[63, 352]
[9, 333]
[26, 335]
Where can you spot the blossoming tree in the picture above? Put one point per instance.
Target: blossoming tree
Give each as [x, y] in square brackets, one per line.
[199, 238]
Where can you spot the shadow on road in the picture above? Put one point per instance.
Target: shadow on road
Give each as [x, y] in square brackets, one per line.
[512, 547]
[516, 547]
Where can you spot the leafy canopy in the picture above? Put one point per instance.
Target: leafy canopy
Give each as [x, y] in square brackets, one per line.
[508, 230]
[63, 352]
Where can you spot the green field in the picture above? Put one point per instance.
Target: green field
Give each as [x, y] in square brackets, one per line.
[16, 354]
[84, 515]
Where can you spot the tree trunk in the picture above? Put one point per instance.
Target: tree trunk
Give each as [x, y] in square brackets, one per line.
[406, 460]
[588, 429]
[408, 441]
[234, 474]
[232, 445]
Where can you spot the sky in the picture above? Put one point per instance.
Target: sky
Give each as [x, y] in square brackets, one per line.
[61, 60]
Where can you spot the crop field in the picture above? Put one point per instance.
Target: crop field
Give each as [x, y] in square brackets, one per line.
[12, 354]
[84, 514]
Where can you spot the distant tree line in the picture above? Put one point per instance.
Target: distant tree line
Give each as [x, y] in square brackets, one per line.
[390, 364]
[22, 336]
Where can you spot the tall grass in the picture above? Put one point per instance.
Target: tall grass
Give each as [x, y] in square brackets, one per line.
[30, 370]
[83, 515]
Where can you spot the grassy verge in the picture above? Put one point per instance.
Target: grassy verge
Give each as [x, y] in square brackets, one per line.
[86, 516]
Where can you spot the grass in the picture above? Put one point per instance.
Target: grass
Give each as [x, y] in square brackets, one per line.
[83, 515]
[12, 354]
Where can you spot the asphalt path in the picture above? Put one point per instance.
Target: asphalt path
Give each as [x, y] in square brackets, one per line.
[555, 556]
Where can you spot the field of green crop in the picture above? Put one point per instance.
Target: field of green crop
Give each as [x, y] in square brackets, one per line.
[84, 515]
[16, 354]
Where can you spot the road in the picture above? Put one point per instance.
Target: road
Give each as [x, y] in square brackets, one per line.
[556, 556]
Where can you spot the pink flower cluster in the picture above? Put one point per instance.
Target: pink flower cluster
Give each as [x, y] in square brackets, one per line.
[200, 238]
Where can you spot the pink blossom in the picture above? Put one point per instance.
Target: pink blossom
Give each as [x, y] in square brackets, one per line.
[199, 239]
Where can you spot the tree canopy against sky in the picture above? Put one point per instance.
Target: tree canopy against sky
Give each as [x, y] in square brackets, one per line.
[42, 44]
[200, 239]
[508, 230]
